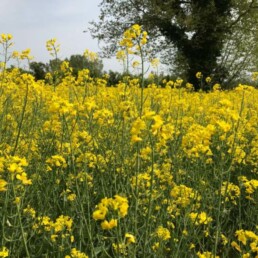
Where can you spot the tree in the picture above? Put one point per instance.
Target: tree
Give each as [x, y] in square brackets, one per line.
[114, 77]
[54, 65]
[240, 51]
[196, 29]
[39, 70]
[79, 62]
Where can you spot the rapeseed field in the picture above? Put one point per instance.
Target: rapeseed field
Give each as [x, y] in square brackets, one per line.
[88, 170]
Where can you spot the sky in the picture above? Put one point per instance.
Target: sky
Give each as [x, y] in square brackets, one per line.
[33, 22]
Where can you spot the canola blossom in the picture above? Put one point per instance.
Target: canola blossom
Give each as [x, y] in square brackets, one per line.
[88, 170]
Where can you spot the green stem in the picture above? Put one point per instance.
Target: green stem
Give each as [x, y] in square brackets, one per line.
[142, 79]
[20, 224]
[149, 203]
[21, 121]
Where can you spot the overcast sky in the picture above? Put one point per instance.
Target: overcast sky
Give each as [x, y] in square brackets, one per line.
[33, 22]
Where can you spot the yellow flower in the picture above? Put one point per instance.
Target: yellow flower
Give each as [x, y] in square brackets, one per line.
[155, 246]
[23, 177]
[63, 222]
[206, 255]
[200, 218]
[100, 214]
[134, 37]
[236, 246]
[71, 197]
[17, 200]
[14, 168]
[4, 252]
[145, 153]
[192, 246]
[208, 79]
[92, 56]
[254, 246]
[216, 87]
[154, 62]
[254, 76]
[129, 238]
[189, 86]
[137, 126]
[120, 248]
[198, 75]
[224, 125]
[52, 47]
[121, 55]
[224, 239]
[54, 237]
[107, 225]
[65, 68]
[122, 205]
[178, 83]
[30, 211]
[3, 185]
[136, 138]
[57, 161]
[76, 254]
[15, 54]
[25, 54]
[158, 122]
[163, 233]
[230, 192]
[135, 64]
[5, 38]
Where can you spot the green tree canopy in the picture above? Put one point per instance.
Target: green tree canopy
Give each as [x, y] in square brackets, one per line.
[79, 62]
[39, 70]
[196, 29]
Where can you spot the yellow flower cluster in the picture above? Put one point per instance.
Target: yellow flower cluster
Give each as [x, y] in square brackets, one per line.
[25, 54]
[56, 161]
[200, 218]
[154, 62]
[250, 186]
[184, 160]
[76, 254]
[163, 233]
[134, 37]
[59, 229]
[65, 68]
[92, 56]
[230, 192]
[248, 243]
[181, 197]
[4, 252]
[5, 38]
[3, 185]
[196, 142]
[206, 254]
[199, 75]
[30, 211]
[120, 55]
[137, 127]
[15, 166]
[255, 76]
[52, 47]
[122, 248]
[104, 117]
[117, 205]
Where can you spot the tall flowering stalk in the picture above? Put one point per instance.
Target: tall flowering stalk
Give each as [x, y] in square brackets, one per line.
[53, 48]
[133, 42]
[6, 42]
